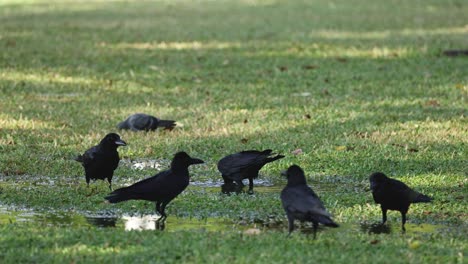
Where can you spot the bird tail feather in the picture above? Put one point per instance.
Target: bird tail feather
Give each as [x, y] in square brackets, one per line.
[421, 198]
[327, 221]
[322, 216]
[167, 124]
[274, 158]
[123, 125]
[79, 158]
[118, 196]
[267, 152]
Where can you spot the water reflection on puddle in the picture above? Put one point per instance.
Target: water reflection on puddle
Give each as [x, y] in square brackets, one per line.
[219, 183]
[148, 222]
[141, 164]
[102, 221]
[127, 222]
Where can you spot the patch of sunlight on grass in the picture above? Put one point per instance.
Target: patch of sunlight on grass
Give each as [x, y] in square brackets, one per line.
[192, 45]
[334, 34]
[376, 52]
[86, 249]
[23, 2]
[259, 2]
[16, 34]
[425, 181]
[38, 78]
[8, 122]
[84, 5]
[328, 51]
[433, 32]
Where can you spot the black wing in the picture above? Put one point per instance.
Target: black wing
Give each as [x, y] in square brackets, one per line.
[302, 199]
[145, 189]
[89, 157]
[403, 190]
[238, 162]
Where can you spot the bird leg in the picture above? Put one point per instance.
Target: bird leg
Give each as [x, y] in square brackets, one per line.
[163, 209]
[240, 183]
[403, 221]
[228, 185]
[290, 224]
[226, 179]
[160, 209]
[240, 186]
[160, 223]
[160, 226]
[384, 215]
[315, 225]
[250, 186]
[110, 184]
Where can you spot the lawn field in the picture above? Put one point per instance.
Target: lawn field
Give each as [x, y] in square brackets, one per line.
[342, 88]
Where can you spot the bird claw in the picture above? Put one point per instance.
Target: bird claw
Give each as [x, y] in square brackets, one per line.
[160, 225]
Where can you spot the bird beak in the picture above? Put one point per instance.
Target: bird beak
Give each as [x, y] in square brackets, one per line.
[284, 173]
[196, 161]
[120, 143]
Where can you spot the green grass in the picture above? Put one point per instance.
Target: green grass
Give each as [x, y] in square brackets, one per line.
[358, 85]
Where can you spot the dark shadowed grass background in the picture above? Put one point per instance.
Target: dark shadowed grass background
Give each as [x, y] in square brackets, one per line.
[357, 85]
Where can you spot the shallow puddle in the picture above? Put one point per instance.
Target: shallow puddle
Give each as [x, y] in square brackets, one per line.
[127, 222]
[140, 164]
[149, 222]
[220, 182]
[260, 186]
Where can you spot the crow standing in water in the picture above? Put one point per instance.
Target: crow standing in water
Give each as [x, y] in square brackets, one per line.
[243, 165]
[161, 188]
[300, 201]
[145, 122]
[101, 160]
[392, 194]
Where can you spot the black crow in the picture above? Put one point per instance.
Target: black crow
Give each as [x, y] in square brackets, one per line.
[161, 188]
[243, 165]
[101, 160]
[392, 194]
[145, 122]
[300, 201]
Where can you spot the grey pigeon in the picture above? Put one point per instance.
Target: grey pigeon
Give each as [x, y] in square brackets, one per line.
[145, 122]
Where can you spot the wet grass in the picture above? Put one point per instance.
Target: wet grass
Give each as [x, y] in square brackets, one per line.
[357, 85]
